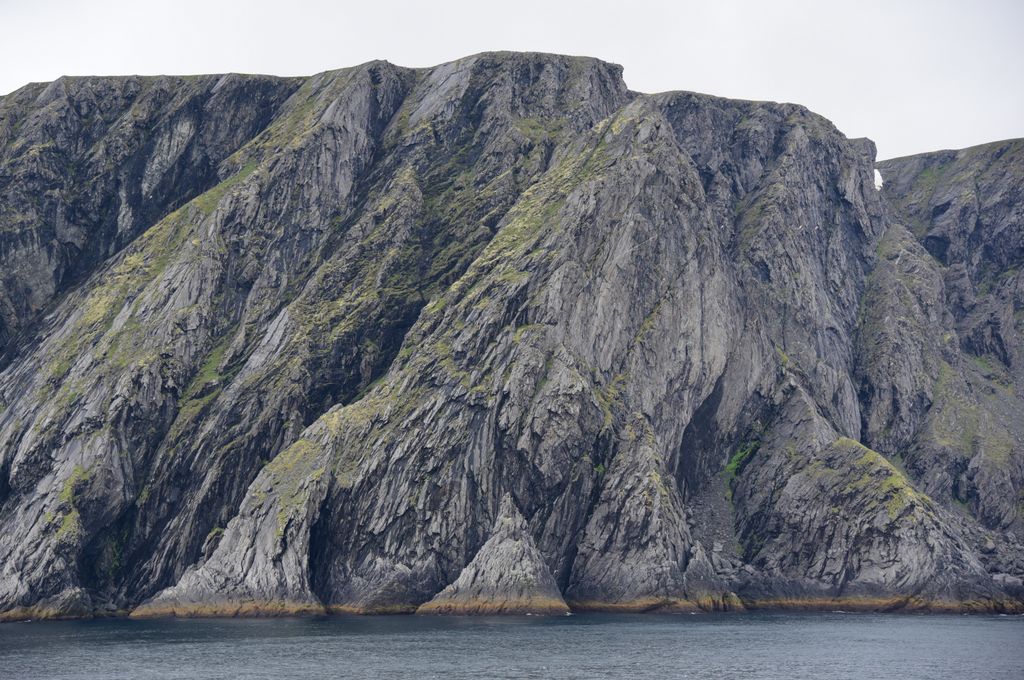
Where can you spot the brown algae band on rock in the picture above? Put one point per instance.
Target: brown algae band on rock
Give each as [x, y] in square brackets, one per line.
[225, 609]
[895, 603]
[724, 602]
[485, 606]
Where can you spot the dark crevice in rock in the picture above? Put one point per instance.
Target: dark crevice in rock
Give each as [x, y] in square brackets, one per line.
[699, 454]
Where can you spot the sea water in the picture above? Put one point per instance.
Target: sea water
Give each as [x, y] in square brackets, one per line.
[719, 646]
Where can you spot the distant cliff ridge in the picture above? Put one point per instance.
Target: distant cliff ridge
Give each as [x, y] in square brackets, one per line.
[498, 336]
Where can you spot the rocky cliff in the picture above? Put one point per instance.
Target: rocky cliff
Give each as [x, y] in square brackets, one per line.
[497, 335]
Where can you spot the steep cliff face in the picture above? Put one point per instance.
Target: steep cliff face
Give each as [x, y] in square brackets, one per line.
[704, 361]
[87, 164]
[966, 209]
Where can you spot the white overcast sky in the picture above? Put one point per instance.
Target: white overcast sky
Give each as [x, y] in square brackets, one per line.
[913, 75]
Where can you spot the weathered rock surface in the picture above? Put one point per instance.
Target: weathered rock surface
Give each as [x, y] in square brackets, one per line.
[87, 164]
[507, 576]
[966, 208]
[283, 345]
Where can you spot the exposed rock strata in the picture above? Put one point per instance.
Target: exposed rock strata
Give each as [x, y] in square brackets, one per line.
[507, 576]
[311, 332]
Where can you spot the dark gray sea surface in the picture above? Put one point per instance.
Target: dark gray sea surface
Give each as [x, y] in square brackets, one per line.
[759, 645]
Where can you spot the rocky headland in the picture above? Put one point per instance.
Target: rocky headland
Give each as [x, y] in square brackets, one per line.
[498, 336]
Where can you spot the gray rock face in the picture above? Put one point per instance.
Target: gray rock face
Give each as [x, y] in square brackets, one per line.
[507, 576]
[966, 208]
[707, 362]
[87, 164]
